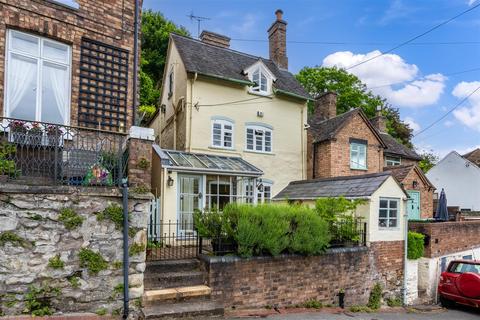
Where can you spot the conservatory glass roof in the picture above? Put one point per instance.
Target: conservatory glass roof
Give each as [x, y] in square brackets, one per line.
[200, 162]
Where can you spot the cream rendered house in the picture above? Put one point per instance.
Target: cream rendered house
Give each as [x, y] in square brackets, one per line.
[231, 127]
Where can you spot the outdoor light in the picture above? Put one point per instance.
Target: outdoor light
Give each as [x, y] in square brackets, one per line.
[415, 184]
[170, 181]
[260, 185]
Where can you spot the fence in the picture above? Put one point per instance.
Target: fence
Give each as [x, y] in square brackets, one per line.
[348, 233]
[44, 153]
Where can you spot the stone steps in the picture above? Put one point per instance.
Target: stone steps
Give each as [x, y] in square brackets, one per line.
[155, 267]
[174, 295]
[173, 279]
[183, 310]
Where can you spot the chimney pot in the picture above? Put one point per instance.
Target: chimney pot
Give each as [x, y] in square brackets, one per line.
[215, 39]
[277, 39]
[379, 122]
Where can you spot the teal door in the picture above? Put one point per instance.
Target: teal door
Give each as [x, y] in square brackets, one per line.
[413, 205]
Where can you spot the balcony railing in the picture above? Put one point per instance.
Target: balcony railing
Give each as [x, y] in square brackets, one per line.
[44, 153]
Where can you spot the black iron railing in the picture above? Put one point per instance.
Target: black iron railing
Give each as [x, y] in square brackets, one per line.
[44, 153]
[172, 239]
[348, 233]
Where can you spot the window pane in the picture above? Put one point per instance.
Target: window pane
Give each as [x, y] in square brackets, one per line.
[383, 213]
[393, 213]
[382, 223]
[393, 204]
[24, 42]
[263, 83]
[54, 93]
[55, 51]
[383, 203]
[392, 223]
[22, 87]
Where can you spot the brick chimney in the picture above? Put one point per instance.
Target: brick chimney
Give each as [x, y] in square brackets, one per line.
[325, 107]
[215, 39]
[277, 38]
[379, 121]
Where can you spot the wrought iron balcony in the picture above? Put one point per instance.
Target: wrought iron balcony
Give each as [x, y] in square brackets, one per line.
[44, 153]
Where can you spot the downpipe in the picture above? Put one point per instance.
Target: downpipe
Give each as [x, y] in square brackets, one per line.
[125, 248]
[405, 255]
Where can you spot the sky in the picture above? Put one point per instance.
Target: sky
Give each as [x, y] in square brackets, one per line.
[424, 80]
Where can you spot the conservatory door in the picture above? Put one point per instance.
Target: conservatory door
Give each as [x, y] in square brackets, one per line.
[190, 194]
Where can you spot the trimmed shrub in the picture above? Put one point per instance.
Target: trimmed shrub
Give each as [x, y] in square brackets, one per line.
[309, 233]
[375, 299]
[415, 245]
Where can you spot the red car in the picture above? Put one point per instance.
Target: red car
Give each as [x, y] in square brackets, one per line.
[460, 283]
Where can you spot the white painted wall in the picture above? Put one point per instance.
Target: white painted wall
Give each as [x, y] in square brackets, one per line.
[461, 180]
[412, 281]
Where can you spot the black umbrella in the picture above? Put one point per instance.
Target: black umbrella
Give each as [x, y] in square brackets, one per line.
[442, 211]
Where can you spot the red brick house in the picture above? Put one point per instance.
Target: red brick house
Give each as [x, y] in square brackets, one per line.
[350, 145]
[79, 52]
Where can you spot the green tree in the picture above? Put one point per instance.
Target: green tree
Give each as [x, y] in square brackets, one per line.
[429, 159]
[155, 34]
[353, 93]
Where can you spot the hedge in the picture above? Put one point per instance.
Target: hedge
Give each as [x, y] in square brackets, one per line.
[415, 245]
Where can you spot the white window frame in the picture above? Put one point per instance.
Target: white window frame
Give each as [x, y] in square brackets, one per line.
[262, 70]
[354, 161]
[40, 59]
[392, 161]
[223, 132]
[171, 83]
[388, 217]
[261, 198]
[256, 128]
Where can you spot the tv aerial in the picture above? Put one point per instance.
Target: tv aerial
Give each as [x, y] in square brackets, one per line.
[199, 21]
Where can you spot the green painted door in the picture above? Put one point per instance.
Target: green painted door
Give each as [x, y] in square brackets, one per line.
[413, 205]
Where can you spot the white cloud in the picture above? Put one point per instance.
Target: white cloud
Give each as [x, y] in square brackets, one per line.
[470, 114]
[415, 126]
[388, 69]
[396, 10]
[449, 123]
[471, 2]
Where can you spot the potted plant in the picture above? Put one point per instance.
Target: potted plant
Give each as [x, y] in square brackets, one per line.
[19, 131]
[54, 135]
[214, 225]
[35, 134]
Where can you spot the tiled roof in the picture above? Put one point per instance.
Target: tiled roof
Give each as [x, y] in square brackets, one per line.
[327, 129]
[396, 148]
[401, 172]
[206, 59]
[473, 156]
[350, 187]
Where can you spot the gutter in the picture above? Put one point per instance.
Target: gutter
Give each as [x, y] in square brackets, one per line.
[291, 94]
[315, 198]
[238, 81]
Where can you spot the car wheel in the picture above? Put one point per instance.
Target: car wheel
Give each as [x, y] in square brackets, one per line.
[446, 303]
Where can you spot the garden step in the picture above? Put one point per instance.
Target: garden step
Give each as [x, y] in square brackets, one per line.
[152, 297]
[183, 310]
[172, 266]
[173, 279]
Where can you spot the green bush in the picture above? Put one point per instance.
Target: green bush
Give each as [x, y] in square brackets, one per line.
[56, 263]
[14, 239]
[312, 304]
[415, 245]
[38, 300]
[266, 229]
[359, 308]
[114, 213]
[375, 299]
[394, 302]
[70, 218]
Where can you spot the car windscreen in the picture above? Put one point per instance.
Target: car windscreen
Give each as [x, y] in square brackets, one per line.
[462, 267]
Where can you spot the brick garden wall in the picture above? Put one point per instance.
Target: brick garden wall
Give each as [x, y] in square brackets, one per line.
[110, 22]
[290, 279]
[448, 237]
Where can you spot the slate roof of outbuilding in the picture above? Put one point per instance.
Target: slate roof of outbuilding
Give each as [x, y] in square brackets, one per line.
[396, 148]
[402, 171]
[361, 186]
[210, 60]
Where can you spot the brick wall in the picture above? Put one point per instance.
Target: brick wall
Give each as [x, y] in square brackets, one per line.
[289, 280]
[110, 22]
[426, 194]
[140, 163]
[448, 237]
[332, 157]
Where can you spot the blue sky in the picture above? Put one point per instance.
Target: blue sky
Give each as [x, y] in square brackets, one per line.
[426, 90]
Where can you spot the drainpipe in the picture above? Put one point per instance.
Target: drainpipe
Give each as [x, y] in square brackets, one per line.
[135, 64]
[405, 248]
[192, 82]
[125, 248]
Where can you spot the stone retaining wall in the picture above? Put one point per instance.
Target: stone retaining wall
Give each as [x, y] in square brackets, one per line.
[39, 250]
[290, 280]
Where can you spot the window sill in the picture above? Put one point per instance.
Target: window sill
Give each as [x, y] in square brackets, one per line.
[358, 169]
[221, 148]
[388, 228]
[260, 152]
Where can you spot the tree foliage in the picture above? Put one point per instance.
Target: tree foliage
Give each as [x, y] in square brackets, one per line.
[429, 159]
[156, 30]
[353, 93]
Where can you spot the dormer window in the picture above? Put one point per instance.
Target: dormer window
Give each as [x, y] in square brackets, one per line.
[261, 77]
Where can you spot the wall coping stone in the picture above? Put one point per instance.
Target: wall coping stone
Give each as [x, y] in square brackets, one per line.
[86, 191]
[232, 259]
[142, 133]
